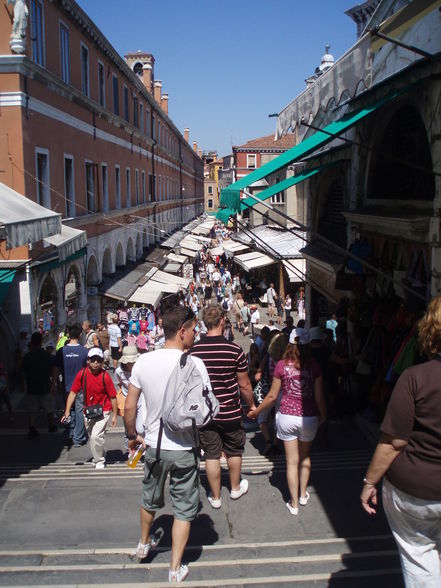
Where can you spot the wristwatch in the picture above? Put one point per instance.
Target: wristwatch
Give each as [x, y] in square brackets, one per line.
[132, 437]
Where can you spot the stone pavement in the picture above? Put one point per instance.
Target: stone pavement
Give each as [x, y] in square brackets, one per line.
[64, 524]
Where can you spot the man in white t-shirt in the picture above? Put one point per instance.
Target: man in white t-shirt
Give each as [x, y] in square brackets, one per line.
[271, 299]
[149, 376]
[115, 342]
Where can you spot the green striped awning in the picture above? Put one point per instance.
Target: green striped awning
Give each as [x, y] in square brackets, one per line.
[230, 196]
[6, 279]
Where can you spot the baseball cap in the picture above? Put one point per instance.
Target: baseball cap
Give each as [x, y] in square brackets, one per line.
[95, 352]
[300, 336]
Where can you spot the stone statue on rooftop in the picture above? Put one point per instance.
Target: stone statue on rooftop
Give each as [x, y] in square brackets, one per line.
[18, 37]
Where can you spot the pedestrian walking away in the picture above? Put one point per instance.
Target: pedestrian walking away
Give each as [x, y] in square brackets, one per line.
[100, 404]
[228, 370]
[150, 376]
[69, 360]
[302, 409]
[408, 456]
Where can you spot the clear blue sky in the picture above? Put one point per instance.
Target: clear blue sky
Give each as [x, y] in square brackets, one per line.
[227, 65]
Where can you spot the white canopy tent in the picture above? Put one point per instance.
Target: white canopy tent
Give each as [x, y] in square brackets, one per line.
[296, 270]
[68, 242]
[253, 259]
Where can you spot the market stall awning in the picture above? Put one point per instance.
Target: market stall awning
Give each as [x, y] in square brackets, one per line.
[6, 279]
[177, 258]
[230, 196]
[68, 242]
[253, 259]
[164, 278]
[296, 269]
[233, 246]
[172, 267]
[219, 250]
[147, 294]
[188, 253]
[190, 244]
[23, 221]
[121, 285]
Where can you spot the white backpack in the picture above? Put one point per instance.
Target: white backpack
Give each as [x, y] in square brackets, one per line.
[188, 404]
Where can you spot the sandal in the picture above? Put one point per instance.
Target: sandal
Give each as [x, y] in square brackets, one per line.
[143, 549]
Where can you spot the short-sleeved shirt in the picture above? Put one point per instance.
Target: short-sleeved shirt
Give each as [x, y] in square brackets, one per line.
[270, 294]
[297, 387]
[37, 367]
[150, 374]
[70, 359]
[98, 390]
[114, 332]
[414, 414]
[223, 360]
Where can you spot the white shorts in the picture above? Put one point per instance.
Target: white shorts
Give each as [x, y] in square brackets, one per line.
[290, 427]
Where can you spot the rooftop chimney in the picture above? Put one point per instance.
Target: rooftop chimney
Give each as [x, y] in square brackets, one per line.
[157, 91]
[200, 153]
[147, 78]
[164, 103]
[195, 146]
[187, 135]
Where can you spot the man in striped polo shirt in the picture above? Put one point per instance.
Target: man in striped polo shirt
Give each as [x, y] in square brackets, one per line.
[228, 370]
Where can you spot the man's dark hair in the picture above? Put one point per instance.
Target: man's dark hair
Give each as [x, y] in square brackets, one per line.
[75, 331]
[36, 339]
[176, 318]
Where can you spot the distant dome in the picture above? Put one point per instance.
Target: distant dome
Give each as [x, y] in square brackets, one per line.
[327, 60]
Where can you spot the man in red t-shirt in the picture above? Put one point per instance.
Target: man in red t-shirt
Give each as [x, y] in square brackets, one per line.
[97, 388]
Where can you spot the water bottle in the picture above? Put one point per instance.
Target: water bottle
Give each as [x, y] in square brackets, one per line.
[135, 457]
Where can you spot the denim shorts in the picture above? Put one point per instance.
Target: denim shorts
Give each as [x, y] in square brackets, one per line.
[184, 482]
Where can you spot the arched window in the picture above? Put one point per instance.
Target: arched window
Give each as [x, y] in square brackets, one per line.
[404, 142]
[137, 68]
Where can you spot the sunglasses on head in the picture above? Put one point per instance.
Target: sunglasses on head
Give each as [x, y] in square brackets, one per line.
[190, 316]
[96, 358]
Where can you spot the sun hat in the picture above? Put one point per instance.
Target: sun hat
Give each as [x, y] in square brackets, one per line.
[315, 333]
[95, 352]
[300, 336]
[130, 354]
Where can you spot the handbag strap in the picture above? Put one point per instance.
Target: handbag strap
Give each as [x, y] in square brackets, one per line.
[84, 386]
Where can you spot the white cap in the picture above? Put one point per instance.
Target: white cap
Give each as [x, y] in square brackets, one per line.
[299, 335]
[95, 352]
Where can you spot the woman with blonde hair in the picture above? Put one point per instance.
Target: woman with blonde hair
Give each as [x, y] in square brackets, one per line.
[302, 408]
[408, 458]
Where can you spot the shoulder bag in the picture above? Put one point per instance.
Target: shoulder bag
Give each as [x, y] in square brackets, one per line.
[91, 411]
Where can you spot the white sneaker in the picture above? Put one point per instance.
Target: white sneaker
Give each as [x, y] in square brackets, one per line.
[243, 489]
[179, 575]
[215, 502]
[292, 509]
[303, 500]
[100, 465]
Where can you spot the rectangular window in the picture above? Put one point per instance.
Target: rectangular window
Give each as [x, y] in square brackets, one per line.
[115, 94]
[159, 187]
[143, 186]
[37, 31]
[278, 198]
[43, 177]
[117, 187]
[135, 112]
[210, 203]
[251, 160]
[84, 70]
[126, 102]
[137, 186]
[90, 187]
[105, 185]
[150, 187]
[69, 186]
[147, 122]
[210, 189]
[64, 53]
[101, 84]
[141, 117]
[128, 194]
[153, 127]
[159, 132]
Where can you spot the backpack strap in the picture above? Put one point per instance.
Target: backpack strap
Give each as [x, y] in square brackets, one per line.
[84, 387]
[158, 448]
